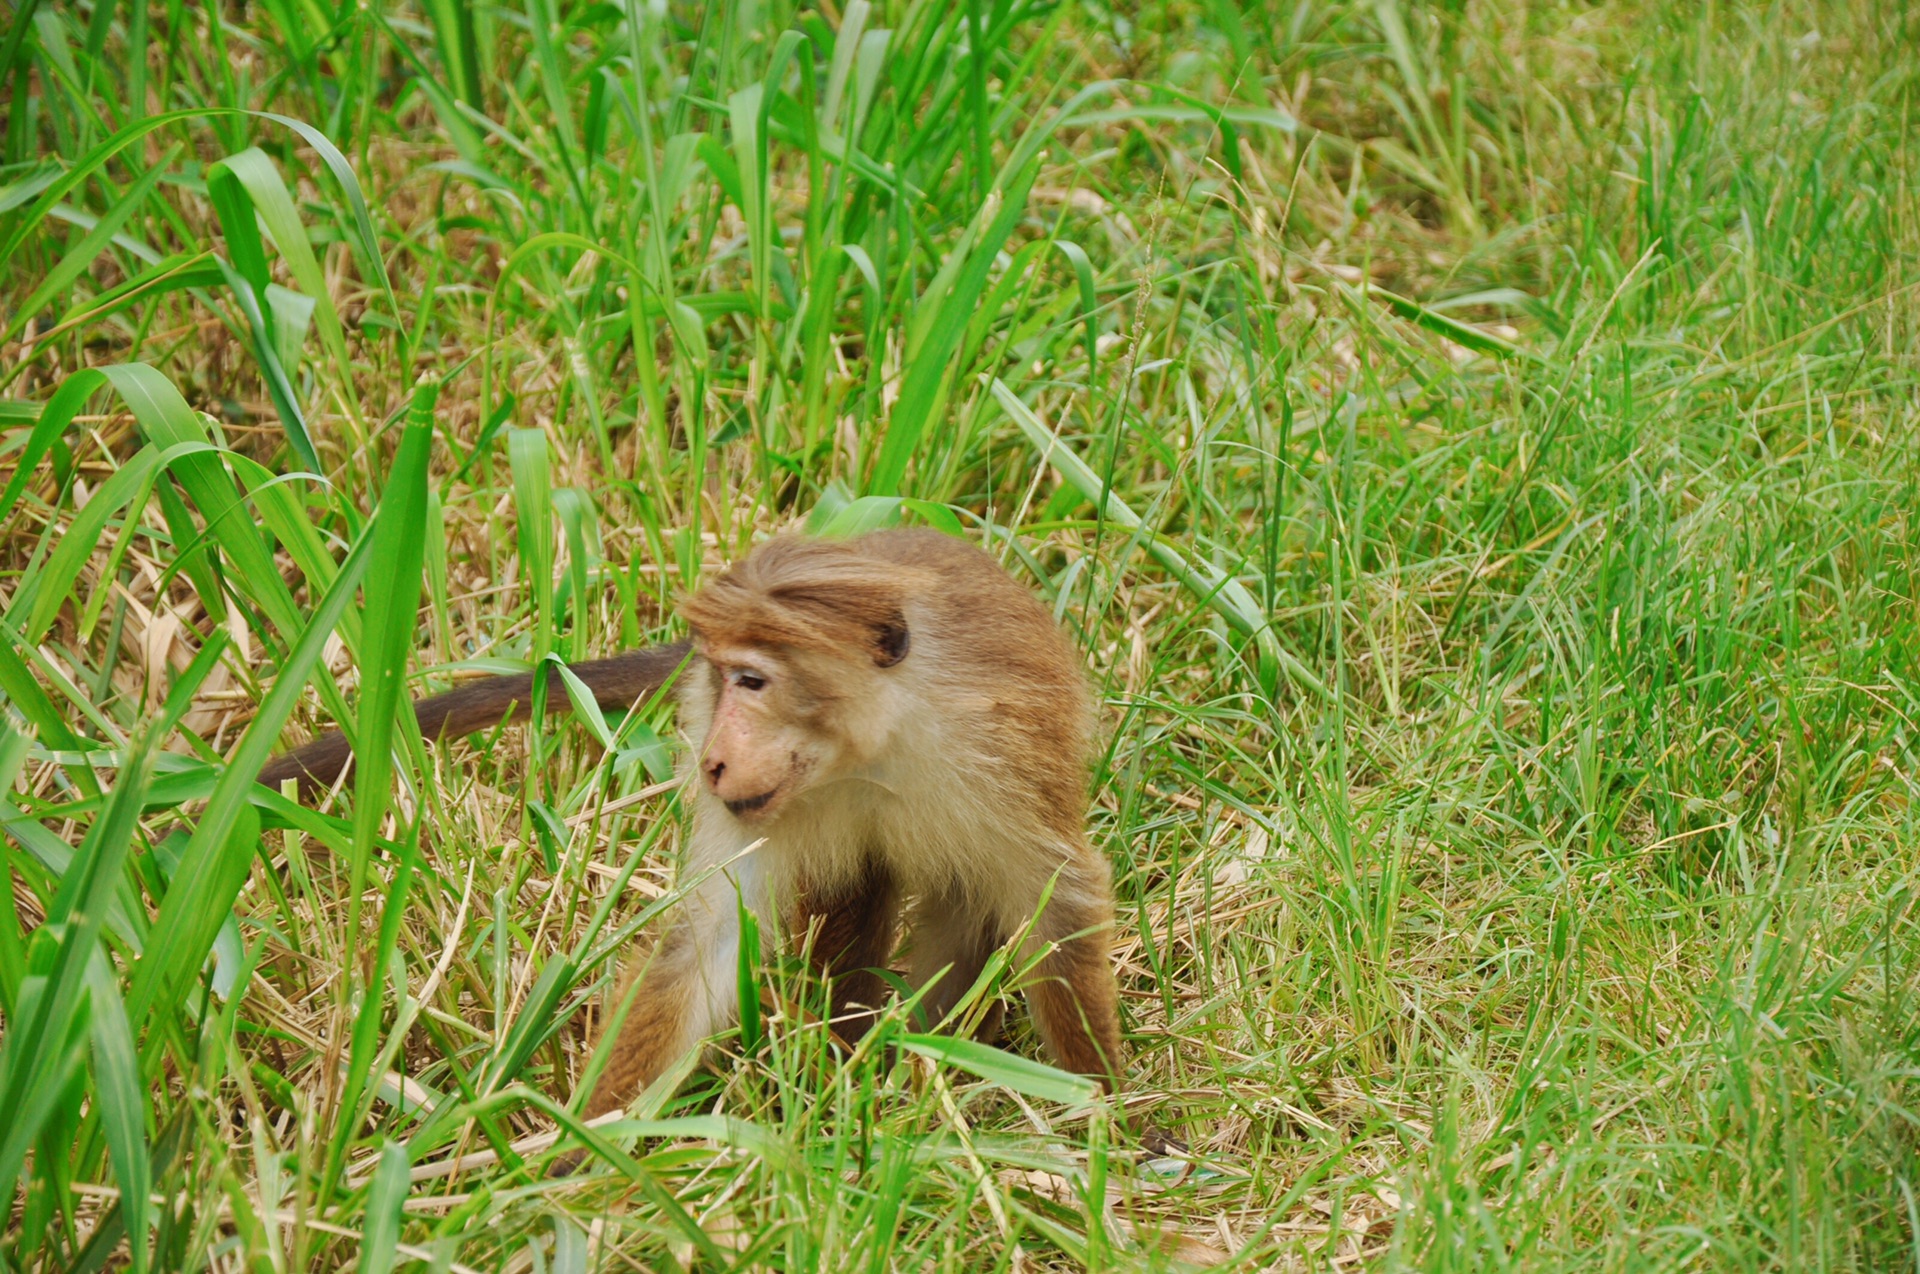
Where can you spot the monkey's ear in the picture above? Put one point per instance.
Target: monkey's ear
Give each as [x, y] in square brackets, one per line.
[892, 642]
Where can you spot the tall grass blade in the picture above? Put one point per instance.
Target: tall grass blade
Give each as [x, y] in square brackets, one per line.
[1009, 1070]
[1209, 585]
[949, 314]
[52, 999]
[386, 1198]
[396, 541]
[217, 857]
[121, 1099]
[91, 244]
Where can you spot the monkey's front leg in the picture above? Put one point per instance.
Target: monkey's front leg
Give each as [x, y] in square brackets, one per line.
[655, 1032]
[1074, 998]
[1072, 993]
[689, 988]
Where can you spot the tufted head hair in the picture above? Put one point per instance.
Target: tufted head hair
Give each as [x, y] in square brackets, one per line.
[809, 594]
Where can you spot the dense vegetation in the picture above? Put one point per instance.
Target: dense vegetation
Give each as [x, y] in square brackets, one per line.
[1473, 442]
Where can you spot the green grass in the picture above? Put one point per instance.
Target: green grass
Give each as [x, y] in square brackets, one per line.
[1473, 443]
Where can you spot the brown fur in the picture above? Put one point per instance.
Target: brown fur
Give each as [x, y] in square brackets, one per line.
[804, 595]
[954, 776]
[879, 721]
[652, 1026]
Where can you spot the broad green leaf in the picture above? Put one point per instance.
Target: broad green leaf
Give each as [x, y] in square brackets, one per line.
[95, 159]
[166, 419]
[121, 1098]
[55, 416]
[32, 1053]
[458, 44]
[577, 522]
[585, 706]
[293, 421]
[834, 497]
[533, 503]
[291, 313]
[853, 19]
[1009, 1070]
[30, 699]
[396, 541]
[868, 513]
[1453, 329]
[397, 549]
[949, 315]
[81, 538]
[14, 746]
[1089, 300]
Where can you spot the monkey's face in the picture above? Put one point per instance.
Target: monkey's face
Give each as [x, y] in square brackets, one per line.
[768, 739]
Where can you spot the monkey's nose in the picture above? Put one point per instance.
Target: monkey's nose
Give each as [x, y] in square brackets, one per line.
[714, 771]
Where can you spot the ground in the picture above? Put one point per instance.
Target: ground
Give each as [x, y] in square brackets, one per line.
[1473, 445]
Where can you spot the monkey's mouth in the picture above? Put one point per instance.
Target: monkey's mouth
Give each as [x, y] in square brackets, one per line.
[751, 804]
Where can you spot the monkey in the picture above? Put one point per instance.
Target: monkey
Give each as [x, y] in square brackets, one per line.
[887, 728]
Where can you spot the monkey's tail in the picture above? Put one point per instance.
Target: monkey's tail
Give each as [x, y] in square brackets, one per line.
[617, 684]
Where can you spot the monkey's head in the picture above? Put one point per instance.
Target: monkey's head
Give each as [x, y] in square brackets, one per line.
[803, 642]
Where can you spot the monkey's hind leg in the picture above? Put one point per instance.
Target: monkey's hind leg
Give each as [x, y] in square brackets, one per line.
[683, 991]
[852, 936]
[950, 938]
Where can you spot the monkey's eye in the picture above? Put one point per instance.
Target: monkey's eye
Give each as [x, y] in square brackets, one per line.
[749, 680]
